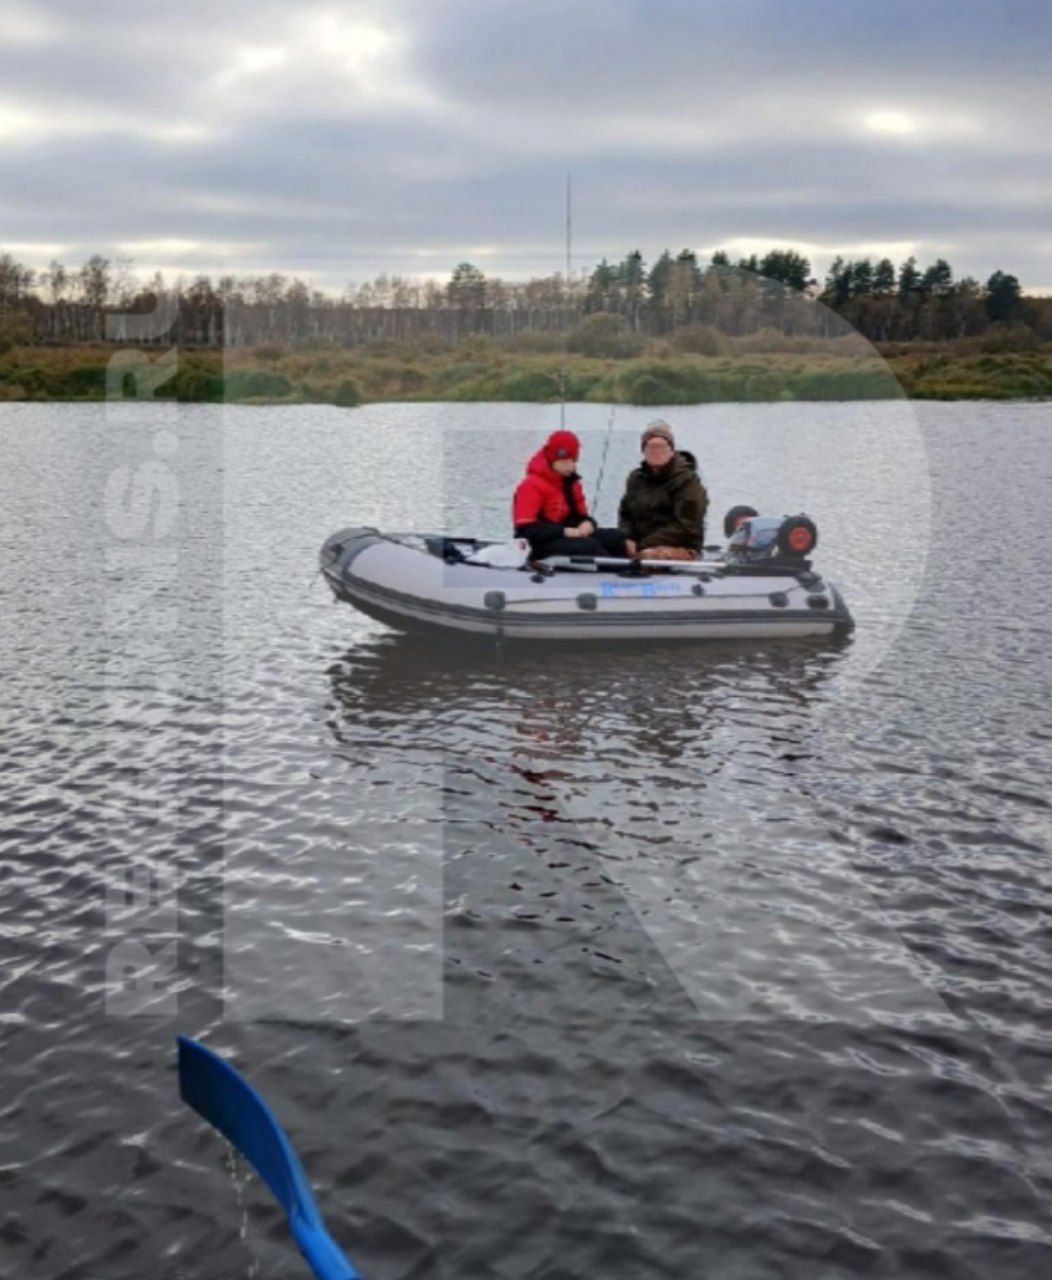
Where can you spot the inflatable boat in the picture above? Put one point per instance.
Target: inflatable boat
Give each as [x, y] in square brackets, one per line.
[762, 586]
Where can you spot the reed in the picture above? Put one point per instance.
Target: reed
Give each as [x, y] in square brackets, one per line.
[695, 371]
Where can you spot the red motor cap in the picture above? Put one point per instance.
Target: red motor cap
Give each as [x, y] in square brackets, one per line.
[797, 537]
[800, 538]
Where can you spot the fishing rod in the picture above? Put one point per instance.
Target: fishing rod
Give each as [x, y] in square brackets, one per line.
[606, 450]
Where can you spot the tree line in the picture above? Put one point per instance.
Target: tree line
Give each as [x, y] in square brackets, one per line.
[104, 299]
[876, 299]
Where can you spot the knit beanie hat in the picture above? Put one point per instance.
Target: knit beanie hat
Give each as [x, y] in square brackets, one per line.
[659, 427]
[562, 444]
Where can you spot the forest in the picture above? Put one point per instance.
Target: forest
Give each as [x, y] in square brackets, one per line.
[104, 300]
[672, 332]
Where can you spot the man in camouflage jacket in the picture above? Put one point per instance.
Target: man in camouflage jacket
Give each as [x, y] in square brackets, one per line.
[663, 511]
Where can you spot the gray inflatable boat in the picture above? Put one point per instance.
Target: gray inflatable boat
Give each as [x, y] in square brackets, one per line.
[424, 581]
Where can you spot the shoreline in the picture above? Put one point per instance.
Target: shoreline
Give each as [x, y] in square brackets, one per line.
[262, 402]
[483, 370]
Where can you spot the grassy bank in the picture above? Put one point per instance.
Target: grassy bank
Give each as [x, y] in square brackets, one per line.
[536, 367]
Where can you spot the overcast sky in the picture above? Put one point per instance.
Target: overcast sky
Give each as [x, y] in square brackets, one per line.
[339, 140]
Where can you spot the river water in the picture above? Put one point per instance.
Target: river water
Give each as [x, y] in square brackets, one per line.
[695, 961]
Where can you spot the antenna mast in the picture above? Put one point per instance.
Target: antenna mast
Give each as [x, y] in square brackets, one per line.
[569, 295]
[569, 228]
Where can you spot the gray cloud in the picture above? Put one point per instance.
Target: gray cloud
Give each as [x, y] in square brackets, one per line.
[346, 139]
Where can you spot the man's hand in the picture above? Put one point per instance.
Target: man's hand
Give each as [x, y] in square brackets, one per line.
[631, 549]
[586, 528]
[573, 533]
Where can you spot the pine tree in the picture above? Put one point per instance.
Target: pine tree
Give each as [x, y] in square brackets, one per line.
[837, 288]
[909, 278]
[1003, 298]
[937, 281]
[861, 278]
[884, 278]
[788, 267]
[467, 287]
[632, 278]
[683, 286]
[658, 279]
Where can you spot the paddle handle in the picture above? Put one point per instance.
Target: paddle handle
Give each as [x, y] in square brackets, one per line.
[326, 1259]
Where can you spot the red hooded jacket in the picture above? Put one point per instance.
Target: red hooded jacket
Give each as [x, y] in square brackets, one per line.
[542, 498]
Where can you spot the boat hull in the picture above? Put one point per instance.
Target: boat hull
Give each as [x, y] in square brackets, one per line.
[411, 589]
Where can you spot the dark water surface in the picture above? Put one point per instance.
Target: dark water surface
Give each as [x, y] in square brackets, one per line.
[648, 962]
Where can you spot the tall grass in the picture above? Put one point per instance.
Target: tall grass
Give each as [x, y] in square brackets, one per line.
[686, 368]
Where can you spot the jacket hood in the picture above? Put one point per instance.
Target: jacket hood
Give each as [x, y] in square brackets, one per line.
[673, 473]
[539, 465]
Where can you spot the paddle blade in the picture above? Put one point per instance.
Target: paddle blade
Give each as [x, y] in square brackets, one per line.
[230, 1104]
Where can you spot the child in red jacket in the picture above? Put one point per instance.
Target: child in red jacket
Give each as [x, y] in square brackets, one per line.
[550, 508]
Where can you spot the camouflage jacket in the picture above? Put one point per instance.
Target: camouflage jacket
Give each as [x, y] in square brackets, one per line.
[664, 508]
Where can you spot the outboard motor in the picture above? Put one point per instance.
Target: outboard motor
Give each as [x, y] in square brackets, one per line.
[772, 538]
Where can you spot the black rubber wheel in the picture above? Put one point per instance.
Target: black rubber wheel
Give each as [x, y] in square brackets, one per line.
[797, 537]
[734, 517]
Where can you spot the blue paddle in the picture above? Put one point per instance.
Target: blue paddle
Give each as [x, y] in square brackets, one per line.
[217, 1093]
